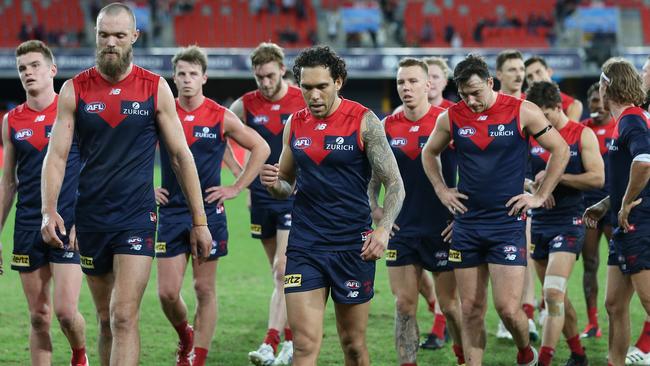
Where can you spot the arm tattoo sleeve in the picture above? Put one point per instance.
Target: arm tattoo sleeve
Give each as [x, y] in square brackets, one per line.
[384, 167]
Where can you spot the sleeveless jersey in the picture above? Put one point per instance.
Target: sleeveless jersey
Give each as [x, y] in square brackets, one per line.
[491, 152]
[445, 104]
[29, 132]
[422, 214]
[569, 204]
[604, 134]
[116, 128]
[331, 210]
[567, 100]
[631, 138]
[267, 119]
[203, 128]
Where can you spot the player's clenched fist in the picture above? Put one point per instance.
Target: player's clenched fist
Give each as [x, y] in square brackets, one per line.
[269, 175]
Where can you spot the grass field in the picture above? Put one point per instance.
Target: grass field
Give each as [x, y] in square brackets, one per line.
[244, 286]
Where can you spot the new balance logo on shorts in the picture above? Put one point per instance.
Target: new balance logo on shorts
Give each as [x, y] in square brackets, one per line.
[292, 280]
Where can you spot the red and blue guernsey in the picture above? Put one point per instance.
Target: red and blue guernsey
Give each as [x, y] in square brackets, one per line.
[492, 155]
[116, 128]
[445, 104]
[604, 134]
[567, 100]
[203, 129]
[631, 138]
[422, 214]
[569, 204]
[29, 131]
[331, 210]
[268, 118]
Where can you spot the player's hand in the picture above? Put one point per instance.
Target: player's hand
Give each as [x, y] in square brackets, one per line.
[74, 246]
[450, 197]
[549, 203]
[523, 202]
[269, 175]
[593, 214]
[221, 193]
[200, 243]
[446, 234]
[1, 269]
[162, 196]
[52, 222]
[539, 178]
[624, 213]
[375, 245]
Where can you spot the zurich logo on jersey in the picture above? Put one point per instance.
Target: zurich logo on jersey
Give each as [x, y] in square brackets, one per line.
[24, 134]
[201, 132]
[302, 143]
[337, 143]
[466, 131]
[134, 108]
[398, 142]
[95, 107]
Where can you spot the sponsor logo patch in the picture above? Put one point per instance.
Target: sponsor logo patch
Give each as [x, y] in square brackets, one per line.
[20, 260]
[466, 131]
[292, 280]
[455, 256]
[352, 284]
[86, 262]
[302, 143]
[256, 229]
[95, 107]
[24, 134]
[391, 255]
[161, 247]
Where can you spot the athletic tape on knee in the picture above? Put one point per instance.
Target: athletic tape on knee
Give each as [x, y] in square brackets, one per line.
[555, 283]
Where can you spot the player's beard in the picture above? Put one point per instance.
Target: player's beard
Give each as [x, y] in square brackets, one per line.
[276, 89]
[114, 68]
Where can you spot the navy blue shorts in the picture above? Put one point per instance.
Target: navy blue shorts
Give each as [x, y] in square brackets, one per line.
[562, 239]
[98, 248]
[472, 247]
[349, 278]
[267, 220]
[174, 239]
[629, 251]
[31, 252]
[429, 252]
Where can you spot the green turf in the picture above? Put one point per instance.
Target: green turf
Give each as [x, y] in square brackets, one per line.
[244, 286]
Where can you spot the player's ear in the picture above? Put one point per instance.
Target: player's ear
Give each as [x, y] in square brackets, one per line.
[136, 35]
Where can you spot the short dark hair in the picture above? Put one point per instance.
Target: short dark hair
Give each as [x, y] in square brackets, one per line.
[412, 61]
[193, 55]
[545, 94]
[473, 64]
[35, 46]
[267, 52]
[593, 88]
[321, 56]
[531, 60]
[506, 55]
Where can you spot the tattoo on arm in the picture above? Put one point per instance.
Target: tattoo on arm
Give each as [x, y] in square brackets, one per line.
[373, 191]
[406, 337]
[384, 167]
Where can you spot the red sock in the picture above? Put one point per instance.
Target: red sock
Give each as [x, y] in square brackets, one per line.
[432, 306]
[78, 355]
[458, 351]
[575, 346]
[183, 331]
[272, 338]
[288, 336]
[529, 309]
[592, 314]
[525, 355]
[200, 355]
[439, 325]
[545, 356]
[644, 339]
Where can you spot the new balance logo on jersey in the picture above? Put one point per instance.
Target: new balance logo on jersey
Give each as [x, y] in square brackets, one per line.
[24, 134]
[275, 107]
[320, 126]
[134, 109]
[601, 131]
[500, 131]
[115, 91]
[482, 118]
[204, 133]
[337, 143]
[414, 129]
[40, 118]
[189, 118]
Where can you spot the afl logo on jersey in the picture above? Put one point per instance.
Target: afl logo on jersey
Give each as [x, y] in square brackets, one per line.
[95, 107]
[466, 131]
[302, 143]
[261, 120]
[537, 150]
[398, 142]
[24, 134]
